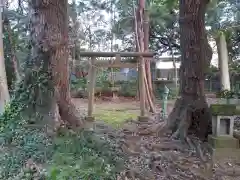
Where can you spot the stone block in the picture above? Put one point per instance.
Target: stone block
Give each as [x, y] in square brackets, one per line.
[223, 142]
[222, 125]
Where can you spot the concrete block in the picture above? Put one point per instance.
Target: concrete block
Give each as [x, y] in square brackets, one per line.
[223, 142]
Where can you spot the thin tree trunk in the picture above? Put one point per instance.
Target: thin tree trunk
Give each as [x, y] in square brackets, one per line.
[49, 35]
[146, 49]
[13, 51]
[4, 93]
[175, 71]
[191, 111]
[223, 61]
[140, 47]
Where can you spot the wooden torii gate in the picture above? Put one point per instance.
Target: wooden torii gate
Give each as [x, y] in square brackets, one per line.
[94, 64]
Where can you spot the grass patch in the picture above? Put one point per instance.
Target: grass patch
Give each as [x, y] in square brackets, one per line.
[115, 117]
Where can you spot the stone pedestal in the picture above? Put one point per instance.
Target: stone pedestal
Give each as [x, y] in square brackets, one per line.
[222, 126]
[222, 119]
[143, 118]
[90, 118]
[223, 142]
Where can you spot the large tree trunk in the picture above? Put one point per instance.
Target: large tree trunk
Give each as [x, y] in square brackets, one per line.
[49, 36]
[223, 61]
[191, 110]
[4, 93]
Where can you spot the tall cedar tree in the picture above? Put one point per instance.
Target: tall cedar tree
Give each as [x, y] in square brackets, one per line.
[191, 110]
[49, 37]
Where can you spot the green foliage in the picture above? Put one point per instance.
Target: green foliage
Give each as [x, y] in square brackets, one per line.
[19, 141]
[227, 94]
[128, 88]
[23, 137]
[84, 155]
[101, 78]
[80, 83]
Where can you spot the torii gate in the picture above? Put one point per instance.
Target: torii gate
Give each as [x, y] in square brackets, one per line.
[140, 64]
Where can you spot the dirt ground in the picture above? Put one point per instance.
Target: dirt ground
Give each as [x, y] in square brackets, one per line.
[119, 104]
[166, 160]
[123, 104]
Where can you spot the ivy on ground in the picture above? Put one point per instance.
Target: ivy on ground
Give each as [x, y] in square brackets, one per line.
[79, 155]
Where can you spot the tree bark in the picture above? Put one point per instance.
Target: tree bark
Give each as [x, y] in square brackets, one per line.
[4, 93]
[13, 51]
[175, 71]
[146, 49]
[223, 61]
[49, 37]
[191, 110]
[141, 46]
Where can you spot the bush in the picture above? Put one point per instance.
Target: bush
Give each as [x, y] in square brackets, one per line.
[228, 94]
[128, 88]
[80, 83]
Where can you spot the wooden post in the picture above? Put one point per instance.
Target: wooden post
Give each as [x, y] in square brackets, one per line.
[91, 87]
[141, 88]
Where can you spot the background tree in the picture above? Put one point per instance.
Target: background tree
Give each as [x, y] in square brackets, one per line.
[4, 92]
[16, 46]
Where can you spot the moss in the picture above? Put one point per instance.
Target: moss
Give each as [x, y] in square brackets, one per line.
[223, 109]
[237, 111]
[223, 142]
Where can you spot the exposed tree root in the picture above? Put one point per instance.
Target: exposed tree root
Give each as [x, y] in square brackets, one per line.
[153, 157]
[190, 117]
[165, 146]
[66, 113]
[70, 114]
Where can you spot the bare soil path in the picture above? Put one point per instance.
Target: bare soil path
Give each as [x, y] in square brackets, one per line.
[157, 157]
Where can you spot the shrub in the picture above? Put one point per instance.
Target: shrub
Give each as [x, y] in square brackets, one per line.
[227, 94]
[80, 83]
[128, 88]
